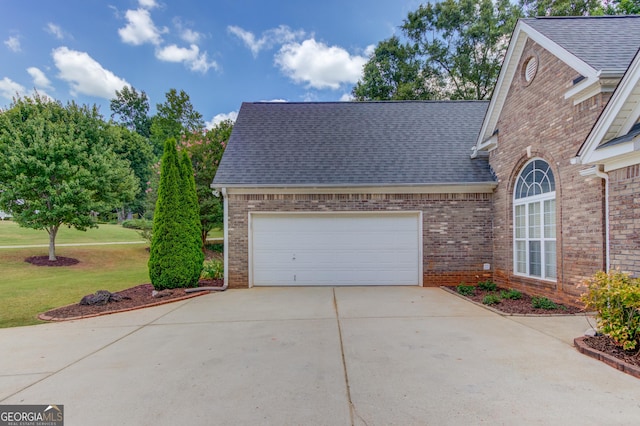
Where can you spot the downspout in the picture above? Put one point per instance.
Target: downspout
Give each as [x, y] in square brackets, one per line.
[597, 170]
[225, 205]
[605, 176]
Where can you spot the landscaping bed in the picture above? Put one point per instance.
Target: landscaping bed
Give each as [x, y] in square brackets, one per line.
[140, 296]
[512, 302]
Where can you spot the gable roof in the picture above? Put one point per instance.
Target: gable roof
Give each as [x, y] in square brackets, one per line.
[596, 47]
[354, 144]
[614, 139]
[605, 43]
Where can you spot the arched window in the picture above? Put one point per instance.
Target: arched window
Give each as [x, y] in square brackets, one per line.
[534, 219]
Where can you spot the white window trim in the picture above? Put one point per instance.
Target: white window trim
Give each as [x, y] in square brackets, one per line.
[526, 201]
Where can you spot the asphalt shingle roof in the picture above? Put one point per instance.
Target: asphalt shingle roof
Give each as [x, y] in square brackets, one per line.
[603, 42]
[354, 143]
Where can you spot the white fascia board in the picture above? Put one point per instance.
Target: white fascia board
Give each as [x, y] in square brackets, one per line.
[453, 188]
[510, 68]
[625, 89]
[617, 156]
[501, 89]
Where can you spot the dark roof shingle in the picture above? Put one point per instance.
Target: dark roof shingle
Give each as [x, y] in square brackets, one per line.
[603, 42]
[354, 143]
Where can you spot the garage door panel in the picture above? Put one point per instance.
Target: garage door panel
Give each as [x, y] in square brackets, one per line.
[336, 249]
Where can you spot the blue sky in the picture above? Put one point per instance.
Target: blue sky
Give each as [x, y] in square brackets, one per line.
[221, 52]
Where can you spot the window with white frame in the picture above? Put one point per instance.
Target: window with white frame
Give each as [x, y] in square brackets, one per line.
[534, 222]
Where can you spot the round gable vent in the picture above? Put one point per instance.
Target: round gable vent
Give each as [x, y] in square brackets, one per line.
[529, 69]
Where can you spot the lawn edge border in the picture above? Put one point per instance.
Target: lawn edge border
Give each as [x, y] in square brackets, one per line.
[45, 317]
[611, 361]
[448, 289]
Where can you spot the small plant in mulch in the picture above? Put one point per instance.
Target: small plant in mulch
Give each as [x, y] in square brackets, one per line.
[466, 290]
[487, 285]
[491, 299]
[512, 294]
[544, 303]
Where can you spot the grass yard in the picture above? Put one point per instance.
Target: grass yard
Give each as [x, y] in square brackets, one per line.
[12, 235]
[28, 290]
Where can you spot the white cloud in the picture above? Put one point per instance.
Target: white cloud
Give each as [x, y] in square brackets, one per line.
[173, 53]
[54, 29]
[191, 57]
[148, 4]
[85, 74]
[346, 97]
[13, 43]
[280, 35]
[9, 88]
[219, 118]
[40, 80]
[140, 28]
[190, 36]
[276, 101]
[318, 65]
[187, 34]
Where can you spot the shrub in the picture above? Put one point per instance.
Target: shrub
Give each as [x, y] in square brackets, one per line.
[491, 299]
[543, 303]
[487, 285]
[213, 270]
[511, 294]
[175, 256]
[616, 299]
[141, 224]
[466, 290]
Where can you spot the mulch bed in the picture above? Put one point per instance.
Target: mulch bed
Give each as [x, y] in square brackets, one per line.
[521, 306]
[605, 344]
[132, 298]
[44, 261]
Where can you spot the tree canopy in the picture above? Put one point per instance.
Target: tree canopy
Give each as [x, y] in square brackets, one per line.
[56, 167]
[205, 150]
[175, 118]
[131, 109]
[453, 49]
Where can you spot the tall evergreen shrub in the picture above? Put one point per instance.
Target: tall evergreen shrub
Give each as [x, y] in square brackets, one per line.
[171, 263]
[191, 211]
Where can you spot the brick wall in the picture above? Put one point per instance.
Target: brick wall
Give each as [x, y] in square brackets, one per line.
[456, 228]
[537, 116]
[624, 225]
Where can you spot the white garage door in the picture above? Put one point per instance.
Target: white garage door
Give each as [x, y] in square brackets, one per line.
[335, 249]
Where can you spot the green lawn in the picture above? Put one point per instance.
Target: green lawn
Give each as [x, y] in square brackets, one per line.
[12, 235]
[28, 290]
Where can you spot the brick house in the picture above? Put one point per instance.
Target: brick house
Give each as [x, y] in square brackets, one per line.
[387, 192]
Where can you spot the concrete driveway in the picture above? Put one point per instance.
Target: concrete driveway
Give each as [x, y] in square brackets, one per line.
[315, 356]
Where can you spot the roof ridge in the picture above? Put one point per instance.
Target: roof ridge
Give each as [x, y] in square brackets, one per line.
[533, 18]
[427, 101]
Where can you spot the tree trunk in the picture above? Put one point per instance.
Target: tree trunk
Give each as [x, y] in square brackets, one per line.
[204, 234]
[53, 231]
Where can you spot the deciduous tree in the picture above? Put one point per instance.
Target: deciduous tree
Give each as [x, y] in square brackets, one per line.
[56, 168]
